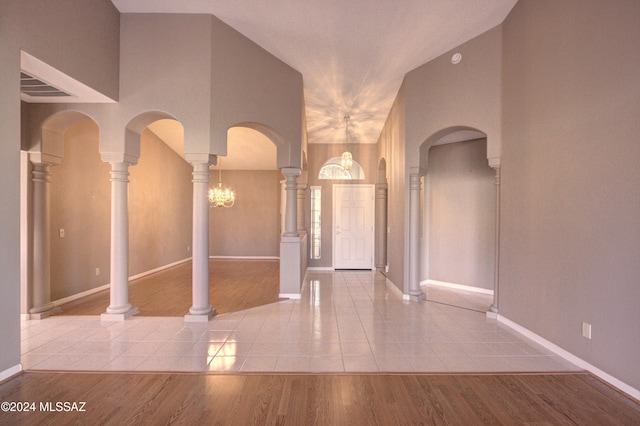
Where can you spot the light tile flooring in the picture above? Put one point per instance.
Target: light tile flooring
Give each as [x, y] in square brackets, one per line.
[344, 322]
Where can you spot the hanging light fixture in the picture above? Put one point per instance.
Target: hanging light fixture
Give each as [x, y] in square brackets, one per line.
[347, 158]
[219, 197]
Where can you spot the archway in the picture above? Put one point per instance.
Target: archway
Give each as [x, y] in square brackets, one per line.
[46, 148]
[459, 234]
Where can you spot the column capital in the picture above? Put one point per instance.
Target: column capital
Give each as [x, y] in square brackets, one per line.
[414, 182]
[119, 157]
[204, 158]
[416, 171]
[289, 172]
[44, 158]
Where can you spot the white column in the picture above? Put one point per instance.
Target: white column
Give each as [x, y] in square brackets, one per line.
[291, 189]
[381, 227]
[41, 306]
[493, 310]
[201, 310]
[301, 202]
[119, 308]
[415, 293]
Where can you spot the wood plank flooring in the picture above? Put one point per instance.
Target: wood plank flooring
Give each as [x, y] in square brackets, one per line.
[234, 285]
[470, 399]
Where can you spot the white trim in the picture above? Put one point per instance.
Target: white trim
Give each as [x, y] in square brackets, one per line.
[80, 92]
[10, 372]
[161, 268]
[295, 296]
[435, 283]
[320, 268]
[631, 391]
[245, 257]
[395, 290]
[80, 295]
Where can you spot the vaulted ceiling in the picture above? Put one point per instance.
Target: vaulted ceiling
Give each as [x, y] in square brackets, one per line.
[352, 54]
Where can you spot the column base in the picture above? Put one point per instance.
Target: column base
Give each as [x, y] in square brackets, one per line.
[206, 317]
[492, 313]
[417, 297]
[119, 316]
[44, 314]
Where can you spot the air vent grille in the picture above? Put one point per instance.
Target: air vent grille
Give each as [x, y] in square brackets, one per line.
[32, 86]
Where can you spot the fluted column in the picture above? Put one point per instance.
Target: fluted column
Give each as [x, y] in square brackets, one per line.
[201, 310]
[415, 293]
[381, 226]
[291, 189]
[301, 202]
[41, 305]
[493, 310]
[119, 307]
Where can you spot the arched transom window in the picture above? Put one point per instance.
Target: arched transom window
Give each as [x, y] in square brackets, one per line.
[333, 169]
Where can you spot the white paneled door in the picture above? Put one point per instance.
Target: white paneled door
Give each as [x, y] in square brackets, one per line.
[353, 235]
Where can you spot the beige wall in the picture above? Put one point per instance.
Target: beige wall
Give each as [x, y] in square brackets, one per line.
[459, 215]
[80, 204]
[391, 148]
[159, 211]
[441, 95]
[249, 85]
[365, 155]
[160, 207]
[251, 228]
[52, 35]
[570, 234]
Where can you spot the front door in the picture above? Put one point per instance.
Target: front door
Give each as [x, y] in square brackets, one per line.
[353, 235]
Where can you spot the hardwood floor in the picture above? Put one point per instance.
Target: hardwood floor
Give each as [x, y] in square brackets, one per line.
[234, 285]
[142, 398]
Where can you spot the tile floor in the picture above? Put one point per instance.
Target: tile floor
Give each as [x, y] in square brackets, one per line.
[344, 322]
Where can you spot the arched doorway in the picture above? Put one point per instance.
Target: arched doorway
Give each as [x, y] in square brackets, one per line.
[458, 245]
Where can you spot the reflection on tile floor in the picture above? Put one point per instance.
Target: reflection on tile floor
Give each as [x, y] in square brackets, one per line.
[345, 322]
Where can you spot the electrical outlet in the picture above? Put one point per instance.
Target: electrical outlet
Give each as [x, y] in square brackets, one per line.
[61, 233]
[586, 330]
[188, 249]
[97, 271]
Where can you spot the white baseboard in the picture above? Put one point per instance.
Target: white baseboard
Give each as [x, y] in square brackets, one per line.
[10, 372]
[295, 296]
[629, 390]
[395, 290]
[244, 257]
[161, 268]
[80, 295]
[456, 286]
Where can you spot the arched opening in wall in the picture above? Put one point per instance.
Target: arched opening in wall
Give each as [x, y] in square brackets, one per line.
[244, 239]
[65, 213]
[160, 199]
[251, 227]
[458, 245]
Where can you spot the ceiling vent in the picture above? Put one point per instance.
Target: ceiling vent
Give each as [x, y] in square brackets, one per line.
[33, 87]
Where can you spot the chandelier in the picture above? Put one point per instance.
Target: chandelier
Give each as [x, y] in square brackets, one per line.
[347, 159]
[219, 197]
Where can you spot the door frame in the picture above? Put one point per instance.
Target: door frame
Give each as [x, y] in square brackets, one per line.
[370, 210]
